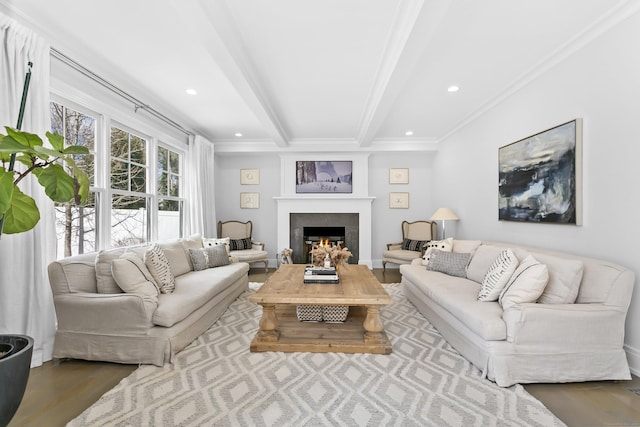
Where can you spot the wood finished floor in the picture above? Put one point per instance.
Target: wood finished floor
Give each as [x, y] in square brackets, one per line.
[59, 391]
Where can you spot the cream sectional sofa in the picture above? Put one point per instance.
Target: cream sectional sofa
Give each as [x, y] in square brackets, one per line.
[573, 332]
[98, 321]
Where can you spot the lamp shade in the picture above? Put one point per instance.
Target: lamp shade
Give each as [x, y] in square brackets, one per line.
[444, 214]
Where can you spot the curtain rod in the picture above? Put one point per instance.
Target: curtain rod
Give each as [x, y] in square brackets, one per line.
[137, 104]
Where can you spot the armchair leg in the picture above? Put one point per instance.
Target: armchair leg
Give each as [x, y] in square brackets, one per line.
[384, 265]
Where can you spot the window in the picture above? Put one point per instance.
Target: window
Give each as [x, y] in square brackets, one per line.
[132, 198]
[76, 225]
[128, 177]
[170, 206]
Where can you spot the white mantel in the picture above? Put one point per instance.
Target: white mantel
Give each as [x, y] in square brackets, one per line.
[324, 204]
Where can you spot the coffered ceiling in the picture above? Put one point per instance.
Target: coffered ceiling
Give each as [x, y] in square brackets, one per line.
[292, 74]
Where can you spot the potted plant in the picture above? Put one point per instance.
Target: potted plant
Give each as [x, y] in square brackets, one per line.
[56, 170]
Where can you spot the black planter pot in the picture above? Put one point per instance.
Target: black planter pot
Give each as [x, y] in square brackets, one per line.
[14, 373]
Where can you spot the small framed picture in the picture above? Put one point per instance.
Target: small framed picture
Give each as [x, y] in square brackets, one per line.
[398, 175]
[249, 176]
[249, 200]
[399, 200]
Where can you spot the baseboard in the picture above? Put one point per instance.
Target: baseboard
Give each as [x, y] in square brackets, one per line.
[633, 357]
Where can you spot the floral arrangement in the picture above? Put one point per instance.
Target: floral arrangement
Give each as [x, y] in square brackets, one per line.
[337, 254]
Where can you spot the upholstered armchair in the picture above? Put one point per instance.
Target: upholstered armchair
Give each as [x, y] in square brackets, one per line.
[415, 236]
[241, 245]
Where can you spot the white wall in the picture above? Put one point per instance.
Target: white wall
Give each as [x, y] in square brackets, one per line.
[601, 84]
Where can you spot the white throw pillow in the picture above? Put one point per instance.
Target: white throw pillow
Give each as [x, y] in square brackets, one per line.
[226, 241]
[497, 276]
[565, 276]
[158, 265]
[526, 284]
[441, 245]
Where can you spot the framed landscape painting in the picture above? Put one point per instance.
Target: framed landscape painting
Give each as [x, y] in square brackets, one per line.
[540, 177]
[323, 177]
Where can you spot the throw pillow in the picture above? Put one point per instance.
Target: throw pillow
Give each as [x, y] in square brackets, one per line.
[217, 256]
[215, 242]
[240, 244]
[158, 265]
[141, 266]
[451, 263]
[498, 276]
[132, 280]
[441, 245]
[209, 257]
[482, 259]
[526, 284]
[565, 276]
[414, 245]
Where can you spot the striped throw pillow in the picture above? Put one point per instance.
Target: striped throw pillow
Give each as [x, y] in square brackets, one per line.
[159, 267]
[498, 275]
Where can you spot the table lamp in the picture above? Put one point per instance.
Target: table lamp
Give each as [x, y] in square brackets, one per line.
[444, 214]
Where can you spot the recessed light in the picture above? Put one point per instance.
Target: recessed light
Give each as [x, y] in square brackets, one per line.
[191, 92]
[453, 88]
[409, 133]
[238, 134]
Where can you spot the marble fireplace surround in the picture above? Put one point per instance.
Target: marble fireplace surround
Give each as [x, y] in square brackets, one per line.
[327, 205]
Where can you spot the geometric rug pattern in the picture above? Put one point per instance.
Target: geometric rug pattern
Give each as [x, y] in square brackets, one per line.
[216, 381]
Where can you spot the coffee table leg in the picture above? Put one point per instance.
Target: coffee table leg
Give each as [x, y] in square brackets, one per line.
[268, 324]
[373, 326]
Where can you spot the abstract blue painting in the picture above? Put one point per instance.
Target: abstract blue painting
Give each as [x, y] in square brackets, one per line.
[540, 177]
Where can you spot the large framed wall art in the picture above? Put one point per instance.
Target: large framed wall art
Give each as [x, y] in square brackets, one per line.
[324, 176]
[540, 177]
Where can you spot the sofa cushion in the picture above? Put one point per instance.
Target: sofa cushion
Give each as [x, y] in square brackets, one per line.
[459, 296]
[526, 284]
[482, 259]
[192, 242]
[497, 276]
[160, 269]
[177, 256]
[193, 290]
[466, 246]
[565, 276]
[451, 263]
[401, 255]
[441, 245]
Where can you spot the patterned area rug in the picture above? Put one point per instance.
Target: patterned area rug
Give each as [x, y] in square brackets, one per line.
[216, 381]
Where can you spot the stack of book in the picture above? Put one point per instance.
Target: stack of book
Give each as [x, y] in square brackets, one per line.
[321, 275]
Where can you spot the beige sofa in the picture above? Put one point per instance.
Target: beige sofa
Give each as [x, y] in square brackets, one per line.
[573, 331]
[98, 321]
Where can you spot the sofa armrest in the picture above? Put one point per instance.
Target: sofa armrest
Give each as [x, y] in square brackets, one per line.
[257, 246]
[103, 313]
[540, 327]
[394, 246]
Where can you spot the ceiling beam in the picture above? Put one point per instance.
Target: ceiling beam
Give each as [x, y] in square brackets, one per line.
[413, 28]
[213, 26]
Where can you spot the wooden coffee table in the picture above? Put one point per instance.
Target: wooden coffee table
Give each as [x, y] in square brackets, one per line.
[280, 329]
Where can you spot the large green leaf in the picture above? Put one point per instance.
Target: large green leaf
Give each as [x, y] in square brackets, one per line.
[76, 149]
[58, 185]
[9, 145]
[22, 215]
[6, 190]
[25, 138]
[56, 140]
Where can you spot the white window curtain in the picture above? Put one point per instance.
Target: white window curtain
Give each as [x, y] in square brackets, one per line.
[26, 302]
[200, 187]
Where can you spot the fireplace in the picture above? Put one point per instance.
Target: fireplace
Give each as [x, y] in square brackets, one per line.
[308, 228]
[325, 236]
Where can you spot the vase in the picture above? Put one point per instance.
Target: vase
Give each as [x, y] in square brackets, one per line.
[14, 373]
